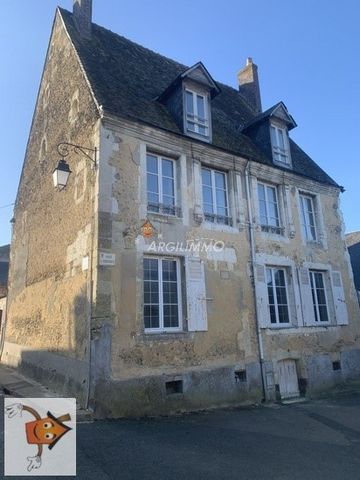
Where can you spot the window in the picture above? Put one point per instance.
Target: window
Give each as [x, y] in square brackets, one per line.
[215, 196]
[319, 296]
[269, 209]
[277, 295]
[162, 297]
[280, 144]
[308, 217]
[161, 182]
[196, 113]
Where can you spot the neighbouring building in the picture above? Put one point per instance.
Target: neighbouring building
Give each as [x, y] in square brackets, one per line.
[353, 244]
[201, 261]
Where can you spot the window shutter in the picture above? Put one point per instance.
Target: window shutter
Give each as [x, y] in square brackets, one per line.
[196, 294]
[341, 313]
[262, 299]
[307, 303]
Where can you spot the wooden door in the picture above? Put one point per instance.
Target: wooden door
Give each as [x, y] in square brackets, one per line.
[288, 380]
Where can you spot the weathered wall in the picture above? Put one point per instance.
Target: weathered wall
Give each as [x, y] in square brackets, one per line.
[140, 363]
[48, 298]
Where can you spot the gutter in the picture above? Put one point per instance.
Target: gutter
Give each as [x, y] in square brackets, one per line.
[253, 263]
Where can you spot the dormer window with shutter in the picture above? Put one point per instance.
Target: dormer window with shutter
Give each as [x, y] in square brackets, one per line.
[188, 98]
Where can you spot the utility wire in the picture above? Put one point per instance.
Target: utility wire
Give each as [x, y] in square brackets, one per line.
[9, 205]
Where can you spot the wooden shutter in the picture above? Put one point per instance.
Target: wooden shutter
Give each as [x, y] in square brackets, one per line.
[341, 313]
[196, 294]
[262, 298]
[307, 304]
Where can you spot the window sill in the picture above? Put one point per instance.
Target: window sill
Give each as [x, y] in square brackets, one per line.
[277, 237]
[163, 217]
[218, 227]
[204, 138]
[147, 337]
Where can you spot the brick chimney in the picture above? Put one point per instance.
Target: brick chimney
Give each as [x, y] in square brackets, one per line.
[249, 85]
[82, 11]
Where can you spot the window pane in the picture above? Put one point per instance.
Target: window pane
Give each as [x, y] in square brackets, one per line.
[152, 183]
[189, 103]
[168, 186]
[191, 126]
[323, 313]
[261, 192]
[272, 314]
[150, 269]
[263, 213]
[169, 270]
[273, 136]
[153, 198]
[151, 316]
[279, 278]
[167, 168]
[200, 106]
[151, 164]
[281, 138]
[206, 176]
[207, 195]
[220, 180]
[202, 130]
[220, 198]
[271, 194]
[283, 314]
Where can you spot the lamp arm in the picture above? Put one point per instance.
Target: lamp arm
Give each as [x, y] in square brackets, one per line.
[64, 149]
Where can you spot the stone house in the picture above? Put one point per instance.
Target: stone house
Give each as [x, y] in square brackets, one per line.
[200, 261]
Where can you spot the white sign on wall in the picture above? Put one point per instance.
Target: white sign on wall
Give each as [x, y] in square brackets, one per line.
[107, 259]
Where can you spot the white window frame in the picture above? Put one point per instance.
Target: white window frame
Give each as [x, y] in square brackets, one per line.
[160, 193]
[305, 223]
[279, 230]
[284, 269]
[161, 298]
[312, 273]
[213, 190]
[193, 118]
[276, 149]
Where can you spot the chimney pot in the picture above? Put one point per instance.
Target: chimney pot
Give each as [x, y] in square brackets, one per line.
[82, 11]
[249, 85]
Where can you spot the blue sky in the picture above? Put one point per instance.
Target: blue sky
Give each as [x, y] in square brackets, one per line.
[307, 52]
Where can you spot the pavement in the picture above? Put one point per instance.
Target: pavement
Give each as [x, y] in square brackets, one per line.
[314, 440]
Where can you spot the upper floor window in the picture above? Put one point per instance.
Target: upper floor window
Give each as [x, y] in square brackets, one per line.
[308, 217]
[318, 292]
[277, 295]
[215, 196]
[269, 208]
[161, 184]
[197, 116]
[280, 144]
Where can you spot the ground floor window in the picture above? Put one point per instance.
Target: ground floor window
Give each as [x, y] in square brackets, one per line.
[162, 294]
[277, 295]
[318, 292]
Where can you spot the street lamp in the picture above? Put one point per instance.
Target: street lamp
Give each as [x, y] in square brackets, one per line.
[62, 172]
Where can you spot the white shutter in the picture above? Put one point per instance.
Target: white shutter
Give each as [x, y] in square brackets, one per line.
[341, 313]
[307, 303]
[262, 298]
[196, 294]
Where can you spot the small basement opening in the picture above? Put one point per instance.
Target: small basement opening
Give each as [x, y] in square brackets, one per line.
[240, 375]
[174, 386]
[336, 365]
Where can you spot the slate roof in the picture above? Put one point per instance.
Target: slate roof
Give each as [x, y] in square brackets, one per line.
[354, 252]
[127, 78]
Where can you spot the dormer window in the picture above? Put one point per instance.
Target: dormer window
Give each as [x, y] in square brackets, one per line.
[280, 145]
[197, 117]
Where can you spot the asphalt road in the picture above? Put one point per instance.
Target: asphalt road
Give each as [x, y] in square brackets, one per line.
[313, 441]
